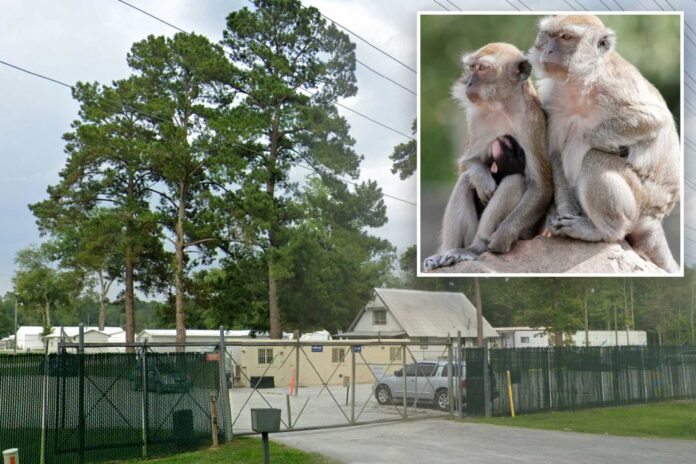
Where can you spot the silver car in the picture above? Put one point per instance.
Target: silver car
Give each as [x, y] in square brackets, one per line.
[426, 381]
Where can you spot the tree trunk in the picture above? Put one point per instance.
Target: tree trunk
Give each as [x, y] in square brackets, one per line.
[179, 276]
[479, 312]
[129, 303]
[47, 313]
[274, 310]
[276, 330]
[103, 292]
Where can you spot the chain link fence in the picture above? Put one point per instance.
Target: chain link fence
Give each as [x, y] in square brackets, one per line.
[70, 408]
[545, 379]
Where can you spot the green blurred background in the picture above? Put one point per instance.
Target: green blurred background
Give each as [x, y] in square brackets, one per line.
[650, 42]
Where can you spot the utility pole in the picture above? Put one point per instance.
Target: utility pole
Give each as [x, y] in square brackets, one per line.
[693, 337]
[16, 304]
[479, 312]
[616, 329]
[587, 322]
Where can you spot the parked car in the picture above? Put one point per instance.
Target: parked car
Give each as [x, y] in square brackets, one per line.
[425, 381]
[161, 378]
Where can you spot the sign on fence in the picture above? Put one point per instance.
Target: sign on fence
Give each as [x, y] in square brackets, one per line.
[317, 348]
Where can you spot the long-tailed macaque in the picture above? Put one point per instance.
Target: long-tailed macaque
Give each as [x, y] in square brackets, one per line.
[502, 106]
[613, 143]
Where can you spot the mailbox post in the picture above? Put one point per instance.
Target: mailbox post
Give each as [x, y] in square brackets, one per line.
[10, 456]
[265, 420]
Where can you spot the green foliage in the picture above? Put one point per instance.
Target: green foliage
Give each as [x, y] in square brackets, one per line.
[404, 157]
[651, 43]
[40, 286]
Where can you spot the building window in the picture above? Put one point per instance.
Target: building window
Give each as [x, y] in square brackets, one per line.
[379, 317]
[424, 347]
[338, 355]
[524, 339]
[394, 353]
[265, 355]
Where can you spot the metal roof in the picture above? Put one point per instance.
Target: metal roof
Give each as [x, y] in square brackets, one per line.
[432, 314]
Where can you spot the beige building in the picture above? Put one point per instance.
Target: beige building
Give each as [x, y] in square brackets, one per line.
[427, 318]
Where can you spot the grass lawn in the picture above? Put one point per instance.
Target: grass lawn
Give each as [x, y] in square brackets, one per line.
[242, 450]
[661, 420]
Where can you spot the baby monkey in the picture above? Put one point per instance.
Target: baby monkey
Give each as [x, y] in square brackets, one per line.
[507, 159]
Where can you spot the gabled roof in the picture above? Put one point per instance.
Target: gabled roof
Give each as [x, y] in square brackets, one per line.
[430, 314]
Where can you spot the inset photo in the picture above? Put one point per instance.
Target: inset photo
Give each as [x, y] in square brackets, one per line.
[550, 144]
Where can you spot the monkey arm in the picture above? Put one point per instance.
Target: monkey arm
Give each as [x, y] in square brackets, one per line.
[632, 125]
[479, 177]
[565, 201]
[534, 202]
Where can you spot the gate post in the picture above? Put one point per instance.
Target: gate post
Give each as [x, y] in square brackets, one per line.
[144, 397]
[352, 384]
[450, 384]
[486, 380]
[81, 386]
[462, 361]
[403, 375]
[297, 362]
[224, 389]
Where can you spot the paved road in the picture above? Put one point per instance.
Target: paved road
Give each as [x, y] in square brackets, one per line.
[446, 441]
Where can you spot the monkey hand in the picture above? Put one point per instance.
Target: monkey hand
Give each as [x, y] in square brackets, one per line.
[485, 186]
[564, 224]
[448, 258]
[502, 240]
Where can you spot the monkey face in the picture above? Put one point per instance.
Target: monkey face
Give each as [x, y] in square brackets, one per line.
[569, 44]
[490, 74]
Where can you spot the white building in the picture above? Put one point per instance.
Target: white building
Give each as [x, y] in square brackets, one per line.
[29, 338]
[610, 338]
[427, 318]
[530, 337]
[521, 337]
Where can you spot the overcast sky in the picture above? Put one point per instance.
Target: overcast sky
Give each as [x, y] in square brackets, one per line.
[87, 40]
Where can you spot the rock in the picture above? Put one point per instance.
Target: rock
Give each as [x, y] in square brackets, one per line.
[559, 255]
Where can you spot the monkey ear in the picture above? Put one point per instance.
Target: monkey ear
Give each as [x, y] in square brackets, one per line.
[607, 41]
[524, 70]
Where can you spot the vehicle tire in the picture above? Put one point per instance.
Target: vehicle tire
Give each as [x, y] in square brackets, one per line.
[442, 400]
[383, 395]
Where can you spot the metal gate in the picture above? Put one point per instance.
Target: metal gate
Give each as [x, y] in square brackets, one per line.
[321, 384]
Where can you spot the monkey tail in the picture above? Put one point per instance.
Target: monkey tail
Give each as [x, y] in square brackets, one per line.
[649, 240]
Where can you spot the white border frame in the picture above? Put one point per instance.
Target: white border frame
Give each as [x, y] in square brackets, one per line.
[682, 127]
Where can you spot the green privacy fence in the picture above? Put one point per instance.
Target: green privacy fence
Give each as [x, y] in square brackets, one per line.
[564, 378]
[105, 406]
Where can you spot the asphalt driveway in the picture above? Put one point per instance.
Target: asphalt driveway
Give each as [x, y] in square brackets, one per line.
[447, 441]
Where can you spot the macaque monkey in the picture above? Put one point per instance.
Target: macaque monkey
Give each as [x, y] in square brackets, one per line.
[502, 107]
[613, 143]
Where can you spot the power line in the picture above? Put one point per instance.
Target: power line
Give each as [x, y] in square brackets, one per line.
[348, 108]
[441, 5]
[454, 5]
[619, 5]
[152, 16]
[605, 5]
[385, 77]
[512, 5]
[581, 6]
[309, 168]
[522, 3]
[368, 43]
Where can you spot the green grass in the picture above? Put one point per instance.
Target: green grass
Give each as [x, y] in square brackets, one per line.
[660, 420]
[242, 450]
